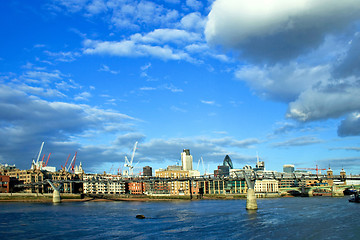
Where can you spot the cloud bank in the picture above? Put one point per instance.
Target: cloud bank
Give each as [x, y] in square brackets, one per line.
[303, 53]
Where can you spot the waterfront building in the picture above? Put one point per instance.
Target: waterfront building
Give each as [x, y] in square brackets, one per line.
[103, 184]
[4, 184]
[136, 188]
[288, 168]
[288, 183]
[176, 173]
[186, 160]
[353, 181]
[174, 168]
[68, 187]
[222, 171]
[157, 188]
[6, 167]
[35, 175]
[234, 172]
[29, 177]
[315, 182]
[266, 186]
[178, 187]
[171, 173]
[147, 171]
[222, 187]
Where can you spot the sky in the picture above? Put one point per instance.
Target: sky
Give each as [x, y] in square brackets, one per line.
[278, 78]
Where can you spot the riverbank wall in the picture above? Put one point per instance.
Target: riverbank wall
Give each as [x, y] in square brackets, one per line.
[66, 197]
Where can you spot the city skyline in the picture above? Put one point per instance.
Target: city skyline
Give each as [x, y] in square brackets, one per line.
[218, 77]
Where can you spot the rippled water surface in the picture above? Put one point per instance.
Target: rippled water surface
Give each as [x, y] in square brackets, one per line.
[282, 218]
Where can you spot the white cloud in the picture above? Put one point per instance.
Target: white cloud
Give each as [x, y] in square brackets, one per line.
[325, 102]
[194, 4]
[145, 67]
[96, 7]
[39, 91]
[277, 30]
[63, 56]
[197, 48]
[160, 150]
[41, 77]
[128, 48]
[105, 68]
[60, 122]
[299, 141]
[169, 87]
[177, 109]
[162, 36]
[132, 14]
[172, 88]
[229, 141]
[357, 149]
[147, 88]
[193, 21]
[208, 102]
[350, 126]
[283, 82]
[73, 5]
[84, 96]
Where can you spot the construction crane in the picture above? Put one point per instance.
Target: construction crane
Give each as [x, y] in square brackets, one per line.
[72, 163]
[66, 161]
[119, 170]
[111, 168]
[129, 164]
[37, 165]
[317, 169]
[47, 160]
[41, 148]
[202, 162]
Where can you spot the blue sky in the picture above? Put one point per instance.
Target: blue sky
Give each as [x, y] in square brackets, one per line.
[234, 77]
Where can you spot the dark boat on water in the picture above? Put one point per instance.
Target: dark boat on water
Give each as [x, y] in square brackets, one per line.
[355, 197]
[349, 191]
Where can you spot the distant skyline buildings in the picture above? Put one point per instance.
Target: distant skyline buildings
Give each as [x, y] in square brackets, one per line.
[288, 168]
[186, 160]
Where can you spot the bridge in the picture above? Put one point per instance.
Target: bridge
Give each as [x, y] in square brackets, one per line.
[249, 176]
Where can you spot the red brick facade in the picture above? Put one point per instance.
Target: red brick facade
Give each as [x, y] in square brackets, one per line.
[4, 184]
[136, 188]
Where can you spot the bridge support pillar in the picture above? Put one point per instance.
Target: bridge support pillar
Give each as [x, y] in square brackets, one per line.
[56, 196]
[251, 203]
[337, 192]
[56, 193]
[311, 193]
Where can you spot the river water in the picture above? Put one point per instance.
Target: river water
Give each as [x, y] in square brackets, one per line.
[280, 218]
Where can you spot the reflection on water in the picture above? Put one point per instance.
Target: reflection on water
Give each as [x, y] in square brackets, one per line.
[252, 214]
[283, 218]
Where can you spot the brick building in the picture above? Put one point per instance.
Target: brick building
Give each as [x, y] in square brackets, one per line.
[4, 184]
